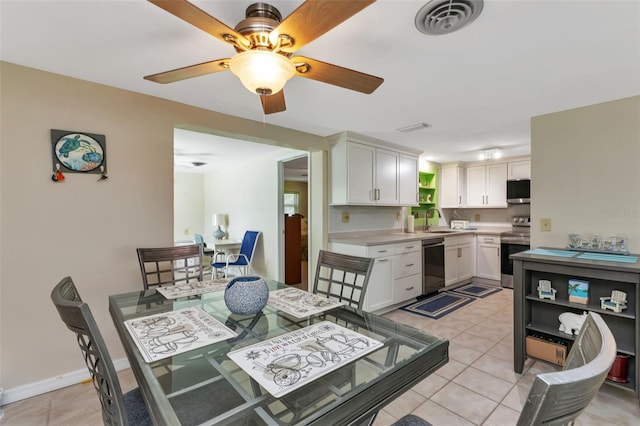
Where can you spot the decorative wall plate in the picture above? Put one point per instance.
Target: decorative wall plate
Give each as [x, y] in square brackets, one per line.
[78, 151]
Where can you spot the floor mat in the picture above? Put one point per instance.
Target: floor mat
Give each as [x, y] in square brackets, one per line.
[477, 290]
[438, 305]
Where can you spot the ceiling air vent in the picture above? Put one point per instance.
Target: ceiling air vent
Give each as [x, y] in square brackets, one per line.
[446, 16]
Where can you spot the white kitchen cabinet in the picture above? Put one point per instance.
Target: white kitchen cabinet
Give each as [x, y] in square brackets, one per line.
[487, 185]
[459, 258]
[407, 272]
[407, 181]
[519, 170]
[365, 171]
[488, 257]
[397, 272]
[452, 185]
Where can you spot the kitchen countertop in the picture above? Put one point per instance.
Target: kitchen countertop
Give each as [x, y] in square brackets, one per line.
[371, 238]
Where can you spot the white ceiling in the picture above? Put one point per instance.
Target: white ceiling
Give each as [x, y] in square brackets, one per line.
[478, 87]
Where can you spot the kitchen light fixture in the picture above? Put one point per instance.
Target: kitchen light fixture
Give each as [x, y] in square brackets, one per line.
[218, 220]
[261, 71]
[414, 127]
[490, 154]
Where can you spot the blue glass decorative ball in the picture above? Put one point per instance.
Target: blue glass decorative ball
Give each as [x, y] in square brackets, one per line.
[246, 295]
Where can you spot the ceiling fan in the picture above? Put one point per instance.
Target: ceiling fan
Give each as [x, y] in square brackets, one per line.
[264, 43]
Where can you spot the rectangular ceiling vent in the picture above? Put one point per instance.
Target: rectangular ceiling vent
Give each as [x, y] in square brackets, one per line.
[414, 127]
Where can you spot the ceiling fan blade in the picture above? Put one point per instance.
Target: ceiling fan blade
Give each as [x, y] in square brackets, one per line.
[338, 76]
[314, 18]
[273, 103]
[201, 19]
[190, 71]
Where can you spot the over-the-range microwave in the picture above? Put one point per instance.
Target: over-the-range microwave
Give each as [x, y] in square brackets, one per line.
[519, 191]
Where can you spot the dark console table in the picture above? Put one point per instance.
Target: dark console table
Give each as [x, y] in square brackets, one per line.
[536, 316]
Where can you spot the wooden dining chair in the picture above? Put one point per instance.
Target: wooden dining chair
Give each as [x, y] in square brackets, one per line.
[117, 408]
[558, 398]
[342, 277]
[170, 265]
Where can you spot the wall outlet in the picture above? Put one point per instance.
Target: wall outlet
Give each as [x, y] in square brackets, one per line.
[186, 231]
[345, 217]
[545, 225]
[476, 218]
[398, 217]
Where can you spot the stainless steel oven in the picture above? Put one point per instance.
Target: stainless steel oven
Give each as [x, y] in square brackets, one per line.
[515, 241]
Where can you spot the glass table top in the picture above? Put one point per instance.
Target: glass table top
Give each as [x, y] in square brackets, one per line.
[204, 386]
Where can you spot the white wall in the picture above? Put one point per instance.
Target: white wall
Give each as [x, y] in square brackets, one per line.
[247, 191]
[81, 227]
[585, 166]
[188, 206]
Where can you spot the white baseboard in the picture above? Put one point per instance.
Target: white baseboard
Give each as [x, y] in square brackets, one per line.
[52, 384]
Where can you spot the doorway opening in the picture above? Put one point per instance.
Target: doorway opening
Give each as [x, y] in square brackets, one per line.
[294, 204]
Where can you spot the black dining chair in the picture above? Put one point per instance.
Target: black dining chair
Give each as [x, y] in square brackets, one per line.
[342, 277]
[117, 408]
[558, 398]
[170, 265]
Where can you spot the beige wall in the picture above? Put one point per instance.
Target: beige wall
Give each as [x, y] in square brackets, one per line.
[81, 227]
[586, 172]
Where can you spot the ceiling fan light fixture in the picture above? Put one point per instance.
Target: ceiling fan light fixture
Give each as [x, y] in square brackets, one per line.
[262, 71]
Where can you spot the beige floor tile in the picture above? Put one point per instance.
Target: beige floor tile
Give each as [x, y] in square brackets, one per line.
[451, 369]
[497, 367]
[440, 416]
[474, 342]
[406, 403]
[484, 384]
[384, 419]
[503, 352]
[442, 331]
[516, 398]
[463, 354]
[464, 402]
[493, 334]
[430, 385]
[502, 416]
[28, 412]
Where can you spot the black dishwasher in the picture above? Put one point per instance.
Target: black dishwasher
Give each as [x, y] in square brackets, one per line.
[432, 265]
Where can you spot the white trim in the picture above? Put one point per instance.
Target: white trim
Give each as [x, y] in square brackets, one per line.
[52, 384]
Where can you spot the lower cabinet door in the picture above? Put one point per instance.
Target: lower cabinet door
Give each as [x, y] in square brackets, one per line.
[380, 289]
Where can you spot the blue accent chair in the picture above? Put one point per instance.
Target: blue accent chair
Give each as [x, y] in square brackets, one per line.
[242, 260]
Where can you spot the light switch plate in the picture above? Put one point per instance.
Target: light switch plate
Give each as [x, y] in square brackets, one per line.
[545, 225]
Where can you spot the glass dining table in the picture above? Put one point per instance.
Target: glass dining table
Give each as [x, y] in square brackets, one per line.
[204, 386]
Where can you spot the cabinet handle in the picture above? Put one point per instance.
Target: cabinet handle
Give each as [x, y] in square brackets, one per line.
[377, 194]
[498, 252]
[459, 252]
[382, 251]
[410, 288]
[459, 200]
[410, 264]
[488, 240]
[371, 195]
[487, 200]
[383, 260]
[408, 247]
[417, 198]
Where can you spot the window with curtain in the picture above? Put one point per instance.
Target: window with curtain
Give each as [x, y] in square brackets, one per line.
[291, 203]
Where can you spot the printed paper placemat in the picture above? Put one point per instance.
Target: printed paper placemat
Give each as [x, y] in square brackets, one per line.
[300, 303]
[288, 362]
[193, 288]
[170, 333]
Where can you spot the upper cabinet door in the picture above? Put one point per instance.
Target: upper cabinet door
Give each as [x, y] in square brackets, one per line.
[386, 175]
[476, 186]
[496, 185]
[407, 180]
[361, 173]
[487, 186]
[452, 187]
[519, 170]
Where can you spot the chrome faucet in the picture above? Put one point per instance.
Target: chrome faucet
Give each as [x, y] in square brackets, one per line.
[426, 217]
